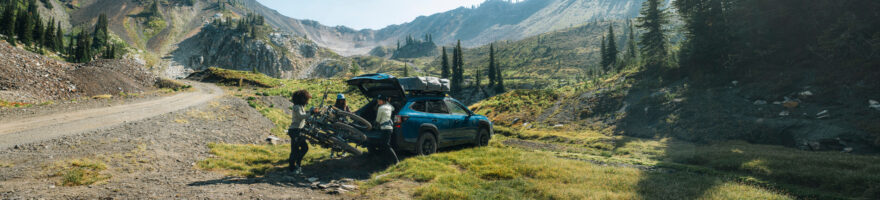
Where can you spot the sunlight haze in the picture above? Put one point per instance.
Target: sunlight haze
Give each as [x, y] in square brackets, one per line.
[360, 14]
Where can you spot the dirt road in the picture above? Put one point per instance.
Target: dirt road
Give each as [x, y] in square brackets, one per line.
[39, 128]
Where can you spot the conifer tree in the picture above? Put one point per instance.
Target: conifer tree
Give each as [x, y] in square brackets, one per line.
[611, 46]
[101, 38]
[603, 54]
[49, 35]
[499, 87]
[8, 23]
[59, 38]
[24, 26]
[653, 41]
[444, 64]
[631, 42]
[457, 68]
[492, 64]
[38, 32]
[405, 70]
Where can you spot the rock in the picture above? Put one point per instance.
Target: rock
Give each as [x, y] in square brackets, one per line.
[312, 179]
[874, 104]
[558, 126]
[784, 113]
[350, 187]
[527, 125]
[806, 93]
[847, 150]
[273, 140]
[822, 115]
[734, 83]
[514, 121]
[790, 104]
[760, 102]
[777, 103]
[815, 146]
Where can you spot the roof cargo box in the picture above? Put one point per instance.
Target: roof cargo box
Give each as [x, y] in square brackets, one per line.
[424, 84]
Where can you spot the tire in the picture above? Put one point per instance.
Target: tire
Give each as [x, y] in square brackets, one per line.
[358, 121]
[483, 138]
[427, 144]
[350, 132]
[345, 146]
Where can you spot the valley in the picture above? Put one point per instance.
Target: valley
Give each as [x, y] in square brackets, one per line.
[588, 99]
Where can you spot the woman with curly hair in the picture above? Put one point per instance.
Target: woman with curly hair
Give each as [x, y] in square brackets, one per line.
[298, 146]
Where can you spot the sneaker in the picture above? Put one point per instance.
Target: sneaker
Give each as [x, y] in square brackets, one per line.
[298, 171]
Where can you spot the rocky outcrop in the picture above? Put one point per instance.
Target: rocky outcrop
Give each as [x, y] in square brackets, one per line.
[274, 54]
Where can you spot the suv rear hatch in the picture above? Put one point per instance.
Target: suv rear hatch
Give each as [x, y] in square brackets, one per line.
[372, 85]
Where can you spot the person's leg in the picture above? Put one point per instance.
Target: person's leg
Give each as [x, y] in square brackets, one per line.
[388, 144]
[303, 147]
[291, 160]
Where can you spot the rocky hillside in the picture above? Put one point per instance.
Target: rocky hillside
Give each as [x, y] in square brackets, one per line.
[493, 20]
[32, 78]
[275, 54]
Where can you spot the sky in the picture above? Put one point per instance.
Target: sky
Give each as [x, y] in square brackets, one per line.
[361, 14]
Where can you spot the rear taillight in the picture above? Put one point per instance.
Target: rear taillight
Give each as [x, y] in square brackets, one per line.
[399, 119]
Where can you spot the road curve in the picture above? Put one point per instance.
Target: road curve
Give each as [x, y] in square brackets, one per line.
[39, 128]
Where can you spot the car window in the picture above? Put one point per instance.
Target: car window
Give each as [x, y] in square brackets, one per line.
[455, 108]
[437, 106]
[419, 106]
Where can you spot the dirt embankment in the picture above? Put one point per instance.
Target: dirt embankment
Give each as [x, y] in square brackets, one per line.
[31, 78]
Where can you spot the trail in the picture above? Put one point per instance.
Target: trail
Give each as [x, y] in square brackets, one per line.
[39, 128]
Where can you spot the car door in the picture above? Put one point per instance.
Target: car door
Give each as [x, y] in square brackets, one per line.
[460, 121]
[441, 118]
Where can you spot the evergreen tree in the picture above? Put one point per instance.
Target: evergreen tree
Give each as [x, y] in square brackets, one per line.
[38, 32]
[101, 38]
[653, 42]
[8, 23]
[603, 55]
[59, 38]
[631, 43]
[492, 64]
[24, 26]
[405, 70]
[457, 68]
[444, 64]
[49, 35]
[610, 55]
[707, 35]
[499, 87]
[478, 78]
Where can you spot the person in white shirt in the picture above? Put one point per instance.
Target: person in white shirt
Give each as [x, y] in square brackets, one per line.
[383, 119]
[298, 145]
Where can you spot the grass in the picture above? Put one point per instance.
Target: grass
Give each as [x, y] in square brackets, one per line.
[239, 78]
[499, 172]
[6, 104]
[814, 175]
[81, 172]
[522, 104]
[251, 160]
[6, 165]
[276, 115]
[103, 96]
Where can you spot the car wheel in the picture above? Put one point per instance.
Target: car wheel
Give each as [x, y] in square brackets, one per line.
[427, 144]
[483, 138]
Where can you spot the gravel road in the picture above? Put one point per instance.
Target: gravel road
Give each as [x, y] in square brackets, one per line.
[38, 128]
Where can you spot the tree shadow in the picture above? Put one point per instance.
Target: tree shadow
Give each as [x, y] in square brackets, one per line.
[351, 167]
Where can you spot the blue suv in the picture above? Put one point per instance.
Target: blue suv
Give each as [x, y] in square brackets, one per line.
[423, 121]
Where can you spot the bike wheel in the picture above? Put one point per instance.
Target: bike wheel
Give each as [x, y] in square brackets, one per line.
[349, 132]
[345, 146]
[356, 121]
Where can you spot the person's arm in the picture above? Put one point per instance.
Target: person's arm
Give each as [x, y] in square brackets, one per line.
[299, 112]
